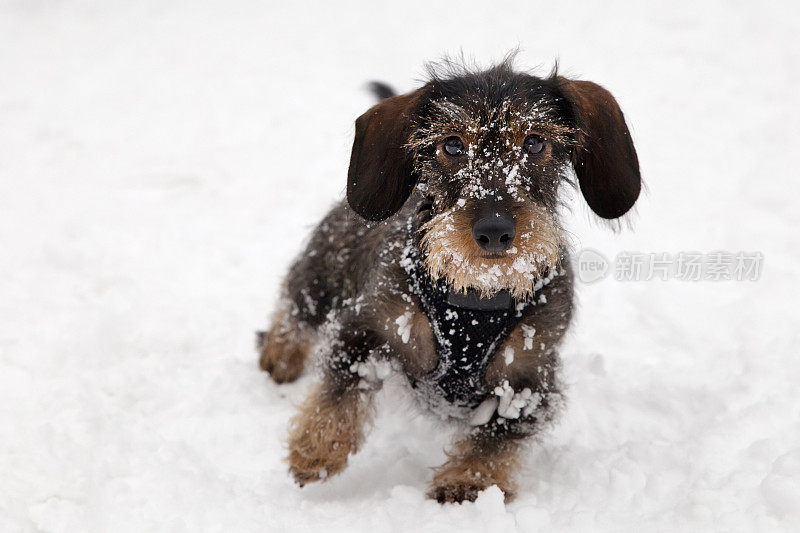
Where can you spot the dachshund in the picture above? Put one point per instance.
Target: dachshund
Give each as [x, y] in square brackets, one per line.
[447, 264]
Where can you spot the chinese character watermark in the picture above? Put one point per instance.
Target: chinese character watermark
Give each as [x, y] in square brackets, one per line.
[593, 266]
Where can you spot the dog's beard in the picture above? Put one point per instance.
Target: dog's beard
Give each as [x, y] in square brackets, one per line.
[452, 253]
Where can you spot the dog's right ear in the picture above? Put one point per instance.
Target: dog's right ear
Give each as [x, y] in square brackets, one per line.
[380, 178]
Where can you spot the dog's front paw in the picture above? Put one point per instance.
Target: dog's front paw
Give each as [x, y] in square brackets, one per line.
[455, 492]
[314, 461]
[455, 483]
[322, 437]
[307, 470]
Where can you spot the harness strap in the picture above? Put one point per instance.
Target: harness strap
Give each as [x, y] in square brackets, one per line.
[466, 337]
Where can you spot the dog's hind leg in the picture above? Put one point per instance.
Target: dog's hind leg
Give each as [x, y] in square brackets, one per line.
[284, 348]
[305, 301]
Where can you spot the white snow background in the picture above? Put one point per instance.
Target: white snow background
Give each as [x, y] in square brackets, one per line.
[161, 163]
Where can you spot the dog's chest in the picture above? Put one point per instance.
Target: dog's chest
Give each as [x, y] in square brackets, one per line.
[467, 334]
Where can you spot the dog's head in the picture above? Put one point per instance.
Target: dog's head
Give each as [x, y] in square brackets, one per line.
[490, 150]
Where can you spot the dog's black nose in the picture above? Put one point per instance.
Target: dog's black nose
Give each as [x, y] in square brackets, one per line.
[494, 232]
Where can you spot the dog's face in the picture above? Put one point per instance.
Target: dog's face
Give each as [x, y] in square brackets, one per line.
[491, 151]
[492, 159]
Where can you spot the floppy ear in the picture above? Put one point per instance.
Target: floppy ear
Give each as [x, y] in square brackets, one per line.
[605, 160]
[380, 178]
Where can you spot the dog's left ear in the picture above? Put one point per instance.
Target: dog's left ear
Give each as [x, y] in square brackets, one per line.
[604, 159]
[380, 177]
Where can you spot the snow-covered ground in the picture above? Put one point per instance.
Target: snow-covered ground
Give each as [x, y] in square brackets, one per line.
[160, 163]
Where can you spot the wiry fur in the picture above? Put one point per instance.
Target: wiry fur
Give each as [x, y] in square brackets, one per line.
[284, 349]
[475, 464]
[453, 254]
[351, 286]
[328, 428]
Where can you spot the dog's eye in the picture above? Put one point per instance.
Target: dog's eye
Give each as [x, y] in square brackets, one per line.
[533, 144]
[453, 146]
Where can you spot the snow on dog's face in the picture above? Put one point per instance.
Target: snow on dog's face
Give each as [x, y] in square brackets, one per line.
[489, 151]
[492, 165]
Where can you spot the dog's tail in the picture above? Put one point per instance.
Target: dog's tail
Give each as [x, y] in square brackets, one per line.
[381, 90]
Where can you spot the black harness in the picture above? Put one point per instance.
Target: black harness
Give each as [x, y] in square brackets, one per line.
[467, 330]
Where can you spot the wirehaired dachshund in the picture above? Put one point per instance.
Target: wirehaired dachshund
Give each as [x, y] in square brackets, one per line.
[447, 264]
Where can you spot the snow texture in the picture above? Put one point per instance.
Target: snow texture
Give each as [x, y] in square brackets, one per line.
[404, 326]
[160, 163]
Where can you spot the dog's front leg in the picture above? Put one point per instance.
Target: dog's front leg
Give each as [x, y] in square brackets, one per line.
[476, 463]
[490, 454]
[330, 424]
[328, 428]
